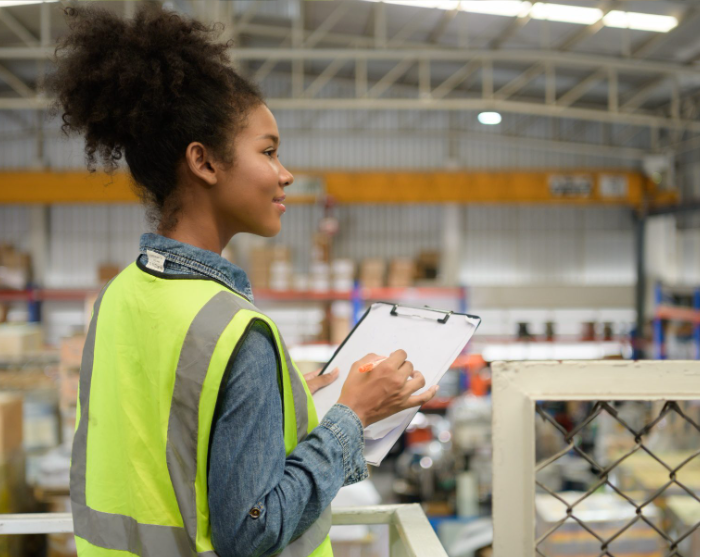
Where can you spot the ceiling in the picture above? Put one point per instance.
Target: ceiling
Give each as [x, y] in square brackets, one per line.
[412, 58]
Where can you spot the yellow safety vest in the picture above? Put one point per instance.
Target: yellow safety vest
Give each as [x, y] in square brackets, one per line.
[155, 355]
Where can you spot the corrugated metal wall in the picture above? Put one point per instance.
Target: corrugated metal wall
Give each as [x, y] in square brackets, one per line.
[83, 237]
[548, 245]
[501, 244]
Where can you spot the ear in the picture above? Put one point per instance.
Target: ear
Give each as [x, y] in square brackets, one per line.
[199, 162]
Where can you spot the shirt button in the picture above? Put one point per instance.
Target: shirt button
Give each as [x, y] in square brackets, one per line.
[254, 513]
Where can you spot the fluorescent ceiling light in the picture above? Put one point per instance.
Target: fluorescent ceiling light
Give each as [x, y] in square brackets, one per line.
[489, 118]
[566, 14]
[8, 3]
[509, 8]
[440, 4]
[541, 10]
[642, 22]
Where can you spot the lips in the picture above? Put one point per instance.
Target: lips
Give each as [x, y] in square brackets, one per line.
[279, 202]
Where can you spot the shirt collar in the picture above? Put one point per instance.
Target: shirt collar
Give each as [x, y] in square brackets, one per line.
[200, 261]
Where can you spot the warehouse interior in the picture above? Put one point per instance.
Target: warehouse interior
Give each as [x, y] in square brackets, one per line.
[534, 164]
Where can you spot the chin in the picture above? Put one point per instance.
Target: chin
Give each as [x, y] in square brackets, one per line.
[269, 231]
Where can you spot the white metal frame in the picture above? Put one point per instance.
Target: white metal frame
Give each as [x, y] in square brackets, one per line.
[411, 535]
[516, 388]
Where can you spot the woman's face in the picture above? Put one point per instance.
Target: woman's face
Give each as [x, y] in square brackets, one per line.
[250, 197]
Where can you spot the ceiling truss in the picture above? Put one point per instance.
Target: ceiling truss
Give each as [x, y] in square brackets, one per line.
[362, 60]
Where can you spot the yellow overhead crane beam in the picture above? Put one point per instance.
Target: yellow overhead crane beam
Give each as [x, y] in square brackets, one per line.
[581, 187]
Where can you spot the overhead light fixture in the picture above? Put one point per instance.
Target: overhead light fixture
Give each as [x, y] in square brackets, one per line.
[509, 8]
[489, 118]
[8, 3]
[549, 12]
[565, 14]
[642, 22]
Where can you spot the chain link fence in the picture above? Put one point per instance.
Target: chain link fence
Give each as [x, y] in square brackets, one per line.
[617, 479]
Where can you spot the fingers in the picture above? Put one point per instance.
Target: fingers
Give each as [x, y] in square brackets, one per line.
[397, 358]
[414, 384]
[407, 369]
[418, 400]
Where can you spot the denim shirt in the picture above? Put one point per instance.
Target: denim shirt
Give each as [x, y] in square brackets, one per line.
[248, 468]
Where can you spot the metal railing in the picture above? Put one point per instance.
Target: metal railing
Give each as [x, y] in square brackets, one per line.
[411, 535]
[522, 393]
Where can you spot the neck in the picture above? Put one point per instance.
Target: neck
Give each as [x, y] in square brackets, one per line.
[200, 232]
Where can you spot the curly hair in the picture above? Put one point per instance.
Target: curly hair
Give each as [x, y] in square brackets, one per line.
[147, 88]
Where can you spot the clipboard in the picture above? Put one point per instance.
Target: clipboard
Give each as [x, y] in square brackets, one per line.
[432, 339]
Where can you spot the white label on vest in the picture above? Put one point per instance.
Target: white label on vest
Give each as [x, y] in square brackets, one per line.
[156, 261]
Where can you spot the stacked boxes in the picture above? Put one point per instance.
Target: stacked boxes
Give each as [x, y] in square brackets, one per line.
[372, 273]
[69, 378]
[15, 268]
[269, 267]
[401, 273]
[14, 494]
[340, 325]
[20, 339]
[343, 271]
[428, 265]
[319, 277]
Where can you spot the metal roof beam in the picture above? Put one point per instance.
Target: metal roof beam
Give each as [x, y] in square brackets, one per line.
[474, 104]
[18, 29]
[455, 79]
[648, 46]
[400, 38]
[446, 18]
[509, 31]
[323, 78]
[16, 83]
[518, 82]
[572, 95]
[640, 96]
[326, 26]
[389, 78]
[567, 59]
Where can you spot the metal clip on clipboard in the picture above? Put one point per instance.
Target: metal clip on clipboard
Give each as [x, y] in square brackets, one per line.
[443, 320]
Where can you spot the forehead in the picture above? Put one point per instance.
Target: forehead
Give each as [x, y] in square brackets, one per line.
[261, 122]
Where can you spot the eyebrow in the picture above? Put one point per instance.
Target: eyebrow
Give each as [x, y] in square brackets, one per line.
[269, 136]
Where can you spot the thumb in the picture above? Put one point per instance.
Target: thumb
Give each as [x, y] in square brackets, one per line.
[331, 377]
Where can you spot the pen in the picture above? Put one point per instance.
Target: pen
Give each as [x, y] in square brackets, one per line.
[370, 365]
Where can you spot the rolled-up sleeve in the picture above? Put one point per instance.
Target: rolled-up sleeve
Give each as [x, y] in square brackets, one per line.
[260, 499]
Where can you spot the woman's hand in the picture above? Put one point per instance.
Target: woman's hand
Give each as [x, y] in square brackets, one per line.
[316, 382]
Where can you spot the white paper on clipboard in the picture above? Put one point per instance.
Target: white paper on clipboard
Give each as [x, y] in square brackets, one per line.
[431, 346]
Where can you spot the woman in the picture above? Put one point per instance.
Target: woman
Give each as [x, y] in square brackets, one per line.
[195, 432]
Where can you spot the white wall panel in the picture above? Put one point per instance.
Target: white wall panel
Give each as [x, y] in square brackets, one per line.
[83, 237]
[14, 226]
[547, 245]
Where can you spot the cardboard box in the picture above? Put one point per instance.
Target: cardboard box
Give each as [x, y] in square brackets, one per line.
[372, 273]
[15, 268]
[72, 351]
[15, 497]
[107, 272]
[69, 379]
[428, 265]
[401, 273]
[11, 424]
[20, 340]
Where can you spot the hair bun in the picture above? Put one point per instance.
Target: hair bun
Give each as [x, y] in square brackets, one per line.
[147, 87]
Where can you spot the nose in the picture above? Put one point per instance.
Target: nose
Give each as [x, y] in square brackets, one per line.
[286, 178]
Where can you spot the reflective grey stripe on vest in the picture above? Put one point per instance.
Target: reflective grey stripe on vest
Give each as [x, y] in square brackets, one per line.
[120, 532]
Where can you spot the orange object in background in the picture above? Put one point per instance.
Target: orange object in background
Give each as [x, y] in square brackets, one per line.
[480, 383]
[418, 435]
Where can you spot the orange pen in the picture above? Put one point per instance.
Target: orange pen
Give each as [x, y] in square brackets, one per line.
[370, 365]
